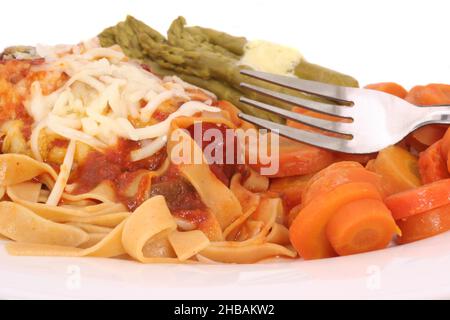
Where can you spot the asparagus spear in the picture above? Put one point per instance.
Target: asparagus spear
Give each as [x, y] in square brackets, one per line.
[207, 69]
[192, 39]
[231, 43]
[314, 72]
[206, 58]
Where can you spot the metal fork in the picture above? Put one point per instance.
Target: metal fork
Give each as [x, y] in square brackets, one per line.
[377, 119]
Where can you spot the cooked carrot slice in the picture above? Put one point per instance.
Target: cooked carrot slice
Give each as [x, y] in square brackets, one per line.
[360, 158]
[371, 165]
[424, 225]
[432, 166]
[333, 167]
[443, 92]
[295, 158]
[398, 168]
[429, 134]
[308, 230]
[318, 115]
[445, 148]
[389, 87]
[432, 94]
[337, 175]
[419, 200]
[301, 159]
[361, 226]
[290, 189]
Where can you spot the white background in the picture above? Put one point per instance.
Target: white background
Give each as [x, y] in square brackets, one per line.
[383, 40]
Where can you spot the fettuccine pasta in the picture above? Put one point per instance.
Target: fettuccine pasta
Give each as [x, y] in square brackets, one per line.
[87, 166]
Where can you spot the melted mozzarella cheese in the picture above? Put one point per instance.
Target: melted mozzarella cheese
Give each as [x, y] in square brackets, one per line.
[63, 176]
[103, 94]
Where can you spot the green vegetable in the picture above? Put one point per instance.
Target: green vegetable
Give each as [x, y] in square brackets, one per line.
[231, 43]
[196, 39]
[206, 58]
[314, 72]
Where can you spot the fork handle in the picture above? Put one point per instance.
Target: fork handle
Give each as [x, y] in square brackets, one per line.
[436, 114]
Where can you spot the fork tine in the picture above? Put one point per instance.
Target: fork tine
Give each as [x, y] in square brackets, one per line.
[325, 108]
[312, 138]
[332, 126]
[328, 91]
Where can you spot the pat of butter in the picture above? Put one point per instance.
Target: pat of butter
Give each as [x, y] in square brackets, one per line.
[270, 57]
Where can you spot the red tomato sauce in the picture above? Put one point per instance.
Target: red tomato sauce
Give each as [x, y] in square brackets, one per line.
[180, 195]
[16, 78]
[114, 165]
[223, 170]
[160, 115]
[61, 143]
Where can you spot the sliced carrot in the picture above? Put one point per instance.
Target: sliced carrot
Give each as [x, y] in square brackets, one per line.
[432, 94]
[342, 165]
[295, 158]
[398, 168]
[429, 134]
[308, 230]
[297, 182]
[424, 225]
[293, 213]
[313, 114]
[411, 143]
[333, 177]
[289, 189]
[389, 87]
[332, 167]
[432, 166]
[361, 158]
[443, 92]
[361, 226]
[371, 165]
[419, 200]
[445, 148]
[301, 159]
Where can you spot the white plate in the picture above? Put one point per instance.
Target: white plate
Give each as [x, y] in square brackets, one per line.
[414, 271]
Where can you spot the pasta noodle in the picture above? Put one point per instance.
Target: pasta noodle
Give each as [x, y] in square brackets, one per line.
[188, 244]
[117, 189]
[17, 168]
[22, 225]
[246, 254]
[216, 196]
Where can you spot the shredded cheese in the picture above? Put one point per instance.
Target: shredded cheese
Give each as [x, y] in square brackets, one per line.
[63, 176]
[34, 139]
[149, 149]
[104, 94]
